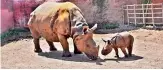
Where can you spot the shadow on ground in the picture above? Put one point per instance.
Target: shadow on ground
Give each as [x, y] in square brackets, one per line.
[75, 57]
[133, 58]
[83, 58]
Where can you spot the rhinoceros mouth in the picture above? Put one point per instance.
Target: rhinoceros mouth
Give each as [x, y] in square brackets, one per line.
[104, 52]
[91, 57]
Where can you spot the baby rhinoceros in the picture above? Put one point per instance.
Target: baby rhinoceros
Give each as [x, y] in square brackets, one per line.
[122, 41]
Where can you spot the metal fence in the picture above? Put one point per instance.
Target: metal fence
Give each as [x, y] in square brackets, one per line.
[144, 14]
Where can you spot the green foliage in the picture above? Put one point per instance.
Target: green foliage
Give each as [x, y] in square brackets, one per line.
[11, 32]
[110, 26]
[146, 1]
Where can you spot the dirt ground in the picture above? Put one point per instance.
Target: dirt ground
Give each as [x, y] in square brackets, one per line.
[147, 53]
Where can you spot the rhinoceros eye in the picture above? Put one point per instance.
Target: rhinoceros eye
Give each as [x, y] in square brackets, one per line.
[87, 45]
[77, 39]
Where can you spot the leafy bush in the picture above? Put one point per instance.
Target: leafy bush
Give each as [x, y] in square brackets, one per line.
[110, 26]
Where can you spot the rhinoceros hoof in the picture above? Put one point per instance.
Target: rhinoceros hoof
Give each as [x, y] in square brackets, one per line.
[77, 52]
[117, 56]
[126, 56]
[66, 54]
[37, 50]
[53, 49]
[130, 55]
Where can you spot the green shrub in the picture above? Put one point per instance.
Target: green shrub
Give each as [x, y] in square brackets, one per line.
[110, 26]
[11, 32]
[146, 1]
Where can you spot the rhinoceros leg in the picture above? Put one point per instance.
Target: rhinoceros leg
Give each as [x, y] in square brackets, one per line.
[76, 51]
[37, 45]
[116, 52]
[64, 43]
[52, 47]
[130, 50]
[130, 46]
[124, 51]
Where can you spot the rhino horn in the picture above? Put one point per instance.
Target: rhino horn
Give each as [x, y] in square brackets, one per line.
[94, 27]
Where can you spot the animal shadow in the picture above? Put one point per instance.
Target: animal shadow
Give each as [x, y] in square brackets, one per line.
[58, 55]
[134, 57]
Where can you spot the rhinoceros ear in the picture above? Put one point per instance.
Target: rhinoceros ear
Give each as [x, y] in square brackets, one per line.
[110, 42]
[104, 40]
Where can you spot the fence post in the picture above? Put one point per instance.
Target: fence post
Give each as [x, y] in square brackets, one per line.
[152, 15]
[123, 7]
[127, 15]
[135, 14]
[143, 15]
[162, 12]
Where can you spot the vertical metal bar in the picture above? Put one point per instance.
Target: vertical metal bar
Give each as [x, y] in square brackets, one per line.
[135, 15]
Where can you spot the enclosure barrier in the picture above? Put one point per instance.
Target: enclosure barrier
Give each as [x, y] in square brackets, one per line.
[144, 14]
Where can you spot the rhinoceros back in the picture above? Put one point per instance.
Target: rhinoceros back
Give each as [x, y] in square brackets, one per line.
[47, 10]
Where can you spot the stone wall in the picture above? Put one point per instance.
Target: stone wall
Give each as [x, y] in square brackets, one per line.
[157, 1]
[7, 20]
[103, 11]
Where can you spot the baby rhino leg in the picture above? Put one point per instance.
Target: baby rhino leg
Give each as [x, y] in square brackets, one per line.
[124, 51]
[130, 50]
[116, 52]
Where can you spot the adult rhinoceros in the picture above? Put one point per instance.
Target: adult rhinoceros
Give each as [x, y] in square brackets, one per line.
[58, 21]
